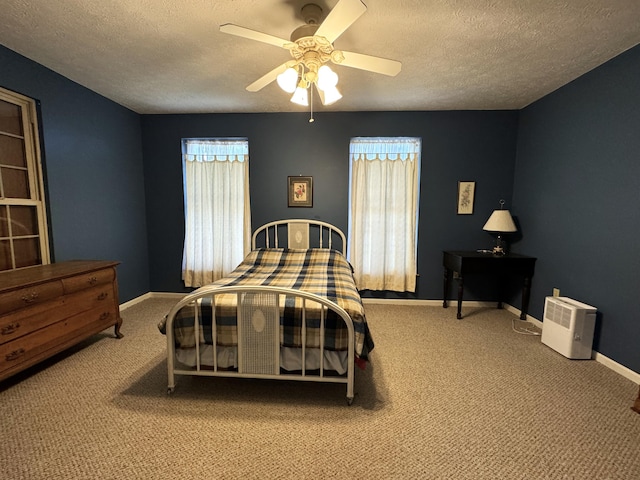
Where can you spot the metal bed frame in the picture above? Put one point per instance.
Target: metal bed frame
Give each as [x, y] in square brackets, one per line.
[258, 316]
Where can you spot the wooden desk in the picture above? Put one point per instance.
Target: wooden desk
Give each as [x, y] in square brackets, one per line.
[474, 262]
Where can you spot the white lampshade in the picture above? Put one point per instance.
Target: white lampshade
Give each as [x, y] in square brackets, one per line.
[329, 96]
[301, 95]
[327, 78]
[500, 221]
[288, 80]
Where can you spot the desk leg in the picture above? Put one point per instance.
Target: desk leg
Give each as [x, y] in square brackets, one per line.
[501, 290]
[460, 291]
[526, 293]
[447, 283]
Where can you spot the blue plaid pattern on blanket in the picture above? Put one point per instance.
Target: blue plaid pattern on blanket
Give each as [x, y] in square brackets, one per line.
[320, 271]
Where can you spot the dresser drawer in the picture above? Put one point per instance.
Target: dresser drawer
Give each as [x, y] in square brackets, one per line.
[88, 280]
[30, 349]
[103, 296]
[28, 296]
[23, 322]
[27, 320]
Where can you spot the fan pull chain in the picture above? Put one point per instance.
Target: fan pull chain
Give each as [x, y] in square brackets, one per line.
[311, 120]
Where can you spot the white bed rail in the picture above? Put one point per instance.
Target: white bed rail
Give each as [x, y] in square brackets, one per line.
[299, 234]
[258, 310]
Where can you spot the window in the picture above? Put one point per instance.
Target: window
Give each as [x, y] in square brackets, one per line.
[24, 240]
[217, 215]
[383, 215]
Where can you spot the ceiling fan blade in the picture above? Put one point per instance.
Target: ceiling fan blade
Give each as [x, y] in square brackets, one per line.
[340, 18]
[253, 35]
[268, 78]
[372, 64]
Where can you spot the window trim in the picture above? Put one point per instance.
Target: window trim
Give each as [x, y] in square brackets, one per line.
[35, 172]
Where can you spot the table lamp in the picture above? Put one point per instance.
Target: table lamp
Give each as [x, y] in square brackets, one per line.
[500, 222]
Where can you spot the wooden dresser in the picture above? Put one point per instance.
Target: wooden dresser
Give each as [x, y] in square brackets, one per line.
[48, 308]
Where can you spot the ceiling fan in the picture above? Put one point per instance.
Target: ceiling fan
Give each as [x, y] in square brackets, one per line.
[311, 46]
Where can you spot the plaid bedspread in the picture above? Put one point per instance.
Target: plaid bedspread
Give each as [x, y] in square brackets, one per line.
[323, 272]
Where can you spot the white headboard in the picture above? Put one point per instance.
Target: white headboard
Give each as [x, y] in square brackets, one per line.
[299, 233]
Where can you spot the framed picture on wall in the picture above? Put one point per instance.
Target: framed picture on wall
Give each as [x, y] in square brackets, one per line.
[466, 195]
[300, 191]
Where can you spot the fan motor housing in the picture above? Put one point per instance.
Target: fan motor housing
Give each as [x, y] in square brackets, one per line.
[308, 30]
[311, 13]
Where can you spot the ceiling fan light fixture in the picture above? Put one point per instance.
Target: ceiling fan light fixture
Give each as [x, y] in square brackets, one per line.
[301, 94]
[327, 78]
[311, 47]
[329, 95]
[288, 80]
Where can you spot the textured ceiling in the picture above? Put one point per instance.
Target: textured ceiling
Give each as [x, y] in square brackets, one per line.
[168, 56]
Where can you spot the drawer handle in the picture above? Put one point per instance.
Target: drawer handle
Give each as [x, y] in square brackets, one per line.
[16, 354]
[103, 295]
[105, 315]
[92, 280]
[9, 329]
[30, 298]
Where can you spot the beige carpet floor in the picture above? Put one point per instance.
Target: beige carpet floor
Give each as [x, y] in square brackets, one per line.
[441, 399]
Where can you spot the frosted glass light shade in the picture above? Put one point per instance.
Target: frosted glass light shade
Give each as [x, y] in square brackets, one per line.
[301, 96]
[329, 96]
[327, 78]
[288, 80]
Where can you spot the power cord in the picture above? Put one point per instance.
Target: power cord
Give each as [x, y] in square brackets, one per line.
[525, 330]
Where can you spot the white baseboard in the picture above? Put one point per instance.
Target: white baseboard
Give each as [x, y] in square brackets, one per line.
[616, 367]
[425, 303]
[142, 298]
[598, 357]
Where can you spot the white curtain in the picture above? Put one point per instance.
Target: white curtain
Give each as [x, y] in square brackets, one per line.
[217, 214]
[383, 212]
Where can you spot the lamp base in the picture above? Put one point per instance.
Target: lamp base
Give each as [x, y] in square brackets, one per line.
[500, 247]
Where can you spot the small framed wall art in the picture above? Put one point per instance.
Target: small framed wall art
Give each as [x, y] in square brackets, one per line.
[466, 194]
[300, 191]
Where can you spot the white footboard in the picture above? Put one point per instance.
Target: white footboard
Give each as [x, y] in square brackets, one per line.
[258, 335]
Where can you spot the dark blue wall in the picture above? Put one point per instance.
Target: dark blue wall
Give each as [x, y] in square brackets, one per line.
[456, 146]
[577, 191]
[94, 175]
[573, 185]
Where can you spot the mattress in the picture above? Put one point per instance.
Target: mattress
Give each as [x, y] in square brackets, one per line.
[324, 272]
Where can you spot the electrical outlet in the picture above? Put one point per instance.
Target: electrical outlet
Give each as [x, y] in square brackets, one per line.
[556, 292]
